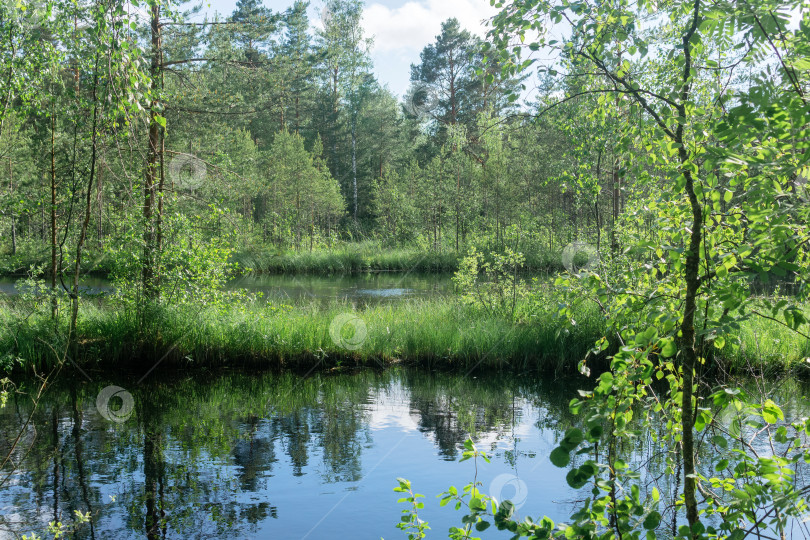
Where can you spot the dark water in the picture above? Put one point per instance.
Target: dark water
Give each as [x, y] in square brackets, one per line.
[242, 455]
[88, 284]
[364, 288]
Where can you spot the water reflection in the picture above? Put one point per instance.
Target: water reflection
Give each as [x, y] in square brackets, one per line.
[253, 454]
[361, 288]
[368, 288]
[279, 455]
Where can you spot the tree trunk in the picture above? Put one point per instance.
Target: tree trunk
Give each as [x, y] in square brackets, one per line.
[297, 114]
[688, 351]
[159, 219]
[453, 102]
[54, 305]
[297, 221]
[335, 100]
[614, 239]
[11, 210]
[354, 162]
[87, 211]
[596, 202]
[458, 202]
[100, 208]
[13, 235]
[56, 455]
[78, 452]
[153, 463]
[152, 163]
[689, 356]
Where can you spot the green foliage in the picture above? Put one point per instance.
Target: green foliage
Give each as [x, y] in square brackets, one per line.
[501, 289]
[301, 190]
[57, 529]
[5, 384]
[715, 188]
[410, 522]
[471, 498]
[194, 265]
[443, 188]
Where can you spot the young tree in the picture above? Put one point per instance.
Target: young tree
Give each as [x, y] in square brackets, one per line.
[296, 59]
[345, 51]
[302, 189]
[721, 175]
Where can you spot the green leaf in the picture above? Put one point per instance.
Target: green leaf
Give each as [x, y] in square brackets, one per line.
[771, 412]
[652, 520]
[802, 63]
[720, 441]
[572, 439]
[669, 348]
[559, 457]
[575, 479]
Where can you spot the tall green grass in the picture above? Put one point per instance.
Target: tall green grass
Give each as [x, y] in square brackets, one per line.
[764, 346]
[345, 258]
[371, 256]
[437, 333]
[348, 259]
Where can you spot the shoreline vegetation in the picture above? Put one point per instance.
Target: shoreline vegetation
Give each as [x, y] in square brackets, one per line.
[352, 258]
[651, 159]
[458, 333]
[443, 334]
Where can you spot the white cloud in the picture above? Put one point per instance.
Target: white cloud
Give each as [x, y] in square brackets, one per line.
[411, 26]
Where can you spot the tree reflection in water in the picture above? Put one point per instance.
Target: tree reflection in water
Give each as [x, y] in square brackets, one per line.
[237, 453]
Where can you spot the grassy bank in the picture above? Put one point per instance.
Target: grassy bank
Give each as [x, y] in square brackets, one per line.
[372, 257]
[347, 258]
[440, 333]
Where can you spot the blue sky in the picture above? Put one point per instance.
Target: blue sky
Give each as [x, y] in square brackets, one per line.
[400, 28]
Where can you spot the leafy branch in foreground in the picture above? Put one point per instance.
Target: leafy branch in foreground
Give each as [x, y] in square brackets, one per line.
[410, 522]
[723, 212]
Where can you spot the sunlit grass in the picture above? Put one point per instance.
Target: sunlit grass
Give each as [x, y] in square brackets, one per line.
[764, 345]
[344, 258]
[440, 333]
[372, 256]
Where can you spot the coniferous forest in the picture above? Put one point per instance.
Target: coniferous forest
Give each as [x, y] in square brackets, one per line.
[235, 266]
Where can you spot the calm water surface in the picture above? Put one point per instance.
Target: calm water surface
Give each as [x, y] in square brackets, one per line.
[244, 455]
[278, 456]
[366, 288]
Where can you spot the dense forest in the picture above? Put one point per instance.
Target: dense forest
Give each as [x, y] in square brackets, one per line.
[124, 127]
[613, 192]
